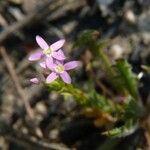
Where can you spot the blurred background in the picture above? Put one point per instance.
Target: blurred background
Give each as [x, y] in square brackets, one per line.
[59, 124]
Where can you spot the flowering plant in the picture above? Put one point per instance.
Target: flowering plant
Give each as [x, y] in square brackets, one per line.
[118, 102]
[53, 59]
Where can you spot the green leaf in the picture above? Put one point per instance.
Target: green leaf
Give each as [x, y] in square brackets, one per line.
[98, 101]
[105, 62]
[68, 89]
[132, 110]
[130, 116]
[128, 128]
[89, 39]
[86, 38]
[125, 79]
[56, 85]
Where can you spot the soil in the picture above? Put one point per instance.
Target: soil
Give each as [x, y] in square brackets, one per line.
[56, 121]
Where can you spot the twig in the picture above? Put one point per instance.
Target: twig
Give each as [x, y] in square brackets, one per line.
[29, 142]
[35, 15]
[91, 72]
[16, 81]
[70, 5]
[52, 8]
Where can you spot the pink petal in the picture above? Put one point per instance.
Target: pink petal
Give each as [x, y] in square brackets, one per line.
[41, 42]
[49, 63]
[57, 45]
[65, 77]
[71, 65]
[59, 62]
[59, 55]
[36, 56]
[43, 64]
[51, 77]
[34, 80]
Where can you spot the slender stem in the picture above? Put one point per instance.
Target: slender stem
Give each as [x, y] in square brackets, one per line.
[107, 64]
[101, 85]
[17, 84]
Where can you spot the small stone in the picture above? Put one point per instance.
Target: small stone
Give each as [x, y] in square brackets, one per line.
[69, 27]
[146, 38]
[29, 5]
[130, 16]
[25, 130]
[53, 134]
[39, 133]
[116, 51]
[41, 108]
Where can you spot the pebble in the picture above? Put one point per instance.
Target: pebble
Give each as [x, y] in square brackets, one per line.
[145, 37]
[54, 134]
[116, 51]
[130, 17]
[41, 108]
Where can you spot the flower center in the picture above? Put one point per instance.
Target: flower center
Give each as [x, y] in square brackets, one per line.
[59, 69]
[48, 51]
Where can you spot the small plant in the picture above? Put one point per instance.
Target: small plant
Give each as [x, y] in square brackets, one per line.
[117, 101]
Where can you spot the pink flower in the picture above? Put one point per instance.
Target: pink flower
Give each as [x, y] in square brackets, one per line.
[50, 52]
[60, 69]
[34, 80]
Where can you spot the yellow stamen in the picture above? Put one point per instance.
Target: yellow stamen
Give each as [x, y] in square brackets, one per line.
[48, 51]
[59, 68]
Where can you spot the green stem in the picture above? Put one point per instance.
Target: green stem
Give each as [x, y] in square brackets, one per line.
[79, 95]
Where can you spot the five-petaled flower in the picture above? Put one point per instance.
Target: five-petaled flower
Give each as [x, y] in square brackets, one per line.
[50, 52]
[60, 69]
[53, 59]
